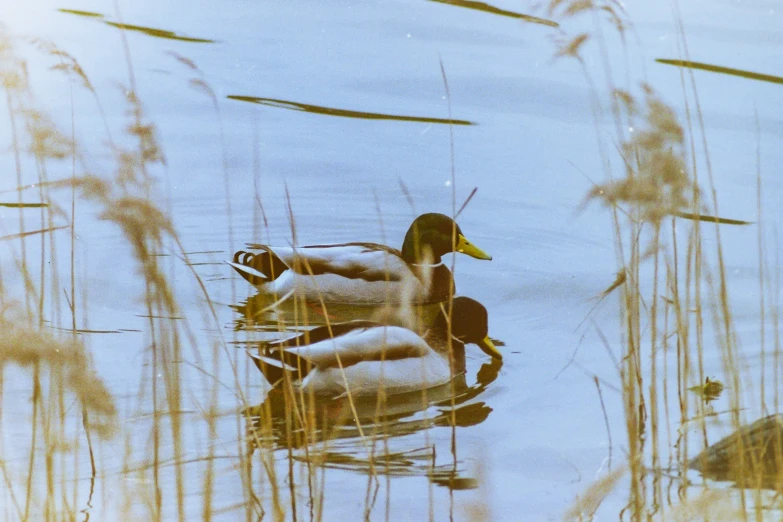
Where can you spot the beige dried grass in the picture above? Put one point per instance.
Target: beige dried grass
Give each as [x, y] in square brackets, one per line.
[585, 506]
[656, 183]
[25, 345]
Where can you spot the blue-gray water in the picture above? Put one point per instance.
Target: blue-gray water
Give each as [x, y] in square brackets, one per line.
[531, 151]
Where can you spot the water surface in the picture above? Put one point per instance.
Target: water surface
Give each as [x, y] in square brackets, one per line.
[339, 106]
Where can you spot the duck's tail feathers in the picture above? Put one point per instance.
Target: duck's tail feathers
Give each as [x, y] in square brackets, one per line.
[249, 274]
[258, 269]
[272, 370]
[276, 364]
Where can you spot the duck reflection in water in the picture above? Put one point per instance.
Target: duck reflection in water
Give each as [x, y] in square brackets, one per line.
[381, 382]
[263, 313]
[332, 436]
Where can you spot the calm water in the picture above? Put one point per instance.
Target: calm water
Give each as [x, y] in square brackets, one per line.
[340, 103]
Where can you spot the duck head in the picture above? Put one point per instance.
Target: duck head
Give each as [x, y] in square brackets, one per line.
[430, 237]
[470, 324]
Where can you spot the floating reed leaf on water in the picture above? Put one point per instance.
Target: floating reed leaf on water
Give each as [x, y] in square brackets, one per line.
[491, 9]
[723, 70]
[24, 205]
[159, 33]
[77, 12]
[149, 31]
[344, 113]
[710, 219]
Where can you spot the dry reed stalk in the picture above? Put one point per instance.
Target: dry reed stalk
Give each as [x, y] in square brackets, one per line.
[125, 199]
[656, 185]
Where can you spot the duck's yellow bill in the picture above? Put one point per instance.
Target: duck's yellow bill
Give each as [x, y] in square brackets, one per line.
[489, 348]
[466, 247]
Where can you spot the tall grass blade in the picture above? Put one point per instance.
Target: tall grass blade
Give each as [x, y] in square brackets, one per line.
[32, 233]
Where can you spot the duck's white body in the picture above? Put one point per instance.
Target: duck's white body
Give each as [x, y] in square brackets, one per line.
[366, 360]
[354, 273]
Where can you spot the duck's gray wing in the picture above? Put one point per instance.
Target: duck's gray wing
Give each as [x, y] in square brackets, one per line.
[367, 261]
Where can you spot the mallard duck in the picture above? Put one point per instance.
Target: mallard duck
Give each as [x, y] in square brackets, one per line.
[363, 273]
[360, 357]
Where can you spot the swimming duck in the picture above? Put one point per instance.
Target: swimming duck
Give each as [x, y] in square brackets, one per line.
[360, 357]
[363, 273]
